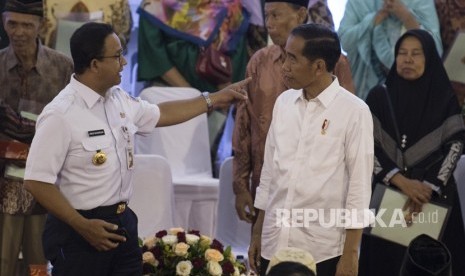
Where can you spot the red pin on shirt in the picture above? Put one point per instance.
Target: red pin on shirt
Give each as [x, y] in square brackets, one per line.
[324, 127]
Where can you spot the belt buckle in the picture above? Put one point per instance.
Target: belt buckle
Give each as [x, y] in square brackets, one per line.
[121, 208]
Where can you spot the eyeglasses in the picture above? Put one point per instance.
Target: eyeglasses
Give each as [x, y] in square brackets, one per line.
[119, 56]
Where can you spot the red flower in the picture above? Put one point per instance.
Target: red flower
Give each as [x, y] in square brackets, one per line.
[228, 268]
[198, 263]
[217, 245]
[181, 237]
[161, 234]
[194, 232]
[157, 251]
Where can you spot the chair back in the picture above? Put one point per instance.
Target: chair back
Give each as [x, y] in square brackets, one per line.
[230, 229]
[152, 199]
[186, 146]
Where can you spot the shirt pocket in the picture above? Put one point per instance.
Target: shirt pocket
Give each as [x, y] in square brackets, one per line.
[326, 153]
[82, 157]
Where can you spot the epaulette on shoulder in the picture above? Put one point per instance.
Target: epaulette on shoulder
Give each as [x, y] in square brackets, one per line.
[131, 97]
[61, 103]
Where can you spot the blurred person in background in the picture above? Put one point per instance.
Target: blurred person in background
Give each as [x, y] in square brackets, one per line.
[369, 30]
[451, 15]
[31, 75]
[417, 147]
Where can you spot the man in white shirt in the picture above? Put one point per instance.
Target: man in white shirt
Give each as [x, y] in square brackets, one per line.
[81, 159]
[318, 161]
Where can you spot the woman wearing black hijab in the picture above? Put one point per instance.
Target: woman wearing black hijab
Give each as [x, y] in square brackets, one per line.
[418, 143]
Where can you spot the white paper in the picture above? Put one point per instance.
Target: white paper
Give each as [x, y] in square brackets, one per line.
[455, 59]
[29, 115]
[14, 172]
[430, 221]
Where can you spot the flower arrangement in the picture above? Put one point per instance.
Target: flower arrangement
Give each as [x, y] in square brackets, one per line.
[176, 252]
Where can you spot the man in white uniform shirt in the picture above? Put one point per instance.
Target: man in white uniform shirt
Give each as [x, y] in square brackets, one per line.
[318, 161]
[81, 159]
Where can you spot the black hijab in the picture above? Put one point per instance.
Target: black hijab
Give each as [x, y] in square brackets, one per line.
[420, 105]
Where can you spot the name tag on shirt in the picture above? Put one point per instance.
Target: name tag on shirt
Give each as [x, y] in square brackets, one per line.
[98, 132]
[130, 158]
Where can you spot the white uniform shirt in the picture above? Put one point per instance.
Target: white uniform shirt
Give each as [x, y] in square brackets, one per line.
[306, 169]
[73, 127]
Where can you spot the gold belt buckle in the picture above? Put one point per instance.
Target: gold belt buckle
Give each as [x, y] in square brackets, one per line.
[121, 208]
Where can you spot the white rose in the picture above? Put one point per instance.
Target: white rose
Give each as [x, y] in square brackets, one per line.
[192, 239]
[205, 241]
[148, 257]
[236, 272]
[174, 231]
[180, 249]
[232, 258]
[150, 242]
[214, 268]
[184, 268]
[213, 255]
[170, 239]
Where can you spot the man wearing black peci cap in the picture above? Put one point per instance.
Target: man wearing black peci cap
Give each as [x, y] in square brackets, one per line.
[31, 75]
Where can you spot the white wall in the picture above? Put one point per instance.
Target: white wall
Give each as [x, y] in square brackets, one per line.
[337, 9]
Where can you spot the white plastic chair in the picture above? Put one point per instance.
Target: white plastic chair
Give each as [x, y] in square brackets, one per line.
[68, 23]
[186, 146]
[152, 199]
[459, 175]
[231, 230]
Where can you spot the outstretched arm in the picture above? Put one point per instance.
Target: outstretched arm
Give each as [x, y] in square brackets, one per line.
[175, 112]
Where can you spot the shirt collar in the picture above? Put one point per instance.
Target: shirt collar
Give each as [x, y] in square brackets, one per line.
[40, 66]
[326, 96]
[89, 96]
[278, 53]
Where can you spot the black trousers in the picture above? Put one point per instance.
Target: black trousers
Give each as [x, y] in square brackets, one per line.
[70, 254]
[324, 268]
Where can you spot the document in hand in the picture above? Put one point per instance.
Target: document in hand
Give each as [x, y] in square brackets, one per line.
[390, 217]
[454, 61]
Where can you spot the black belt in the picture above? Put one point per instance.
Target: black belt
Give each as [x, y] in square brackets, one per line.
[104, 211]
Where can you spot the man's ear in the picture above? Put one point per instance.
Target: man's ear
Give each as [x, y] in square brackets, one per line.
[42, 28]
[320, 65]
[94, 66]
[303, 15]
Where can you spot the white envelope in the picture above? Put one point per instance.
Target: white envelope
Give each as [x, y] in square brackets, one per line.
[431, 221]
[454, 61]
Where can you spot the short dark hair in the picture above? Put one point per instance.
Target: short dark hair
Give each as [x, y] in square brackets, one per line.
[87, 43]
[290, 269]
[320, 42]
